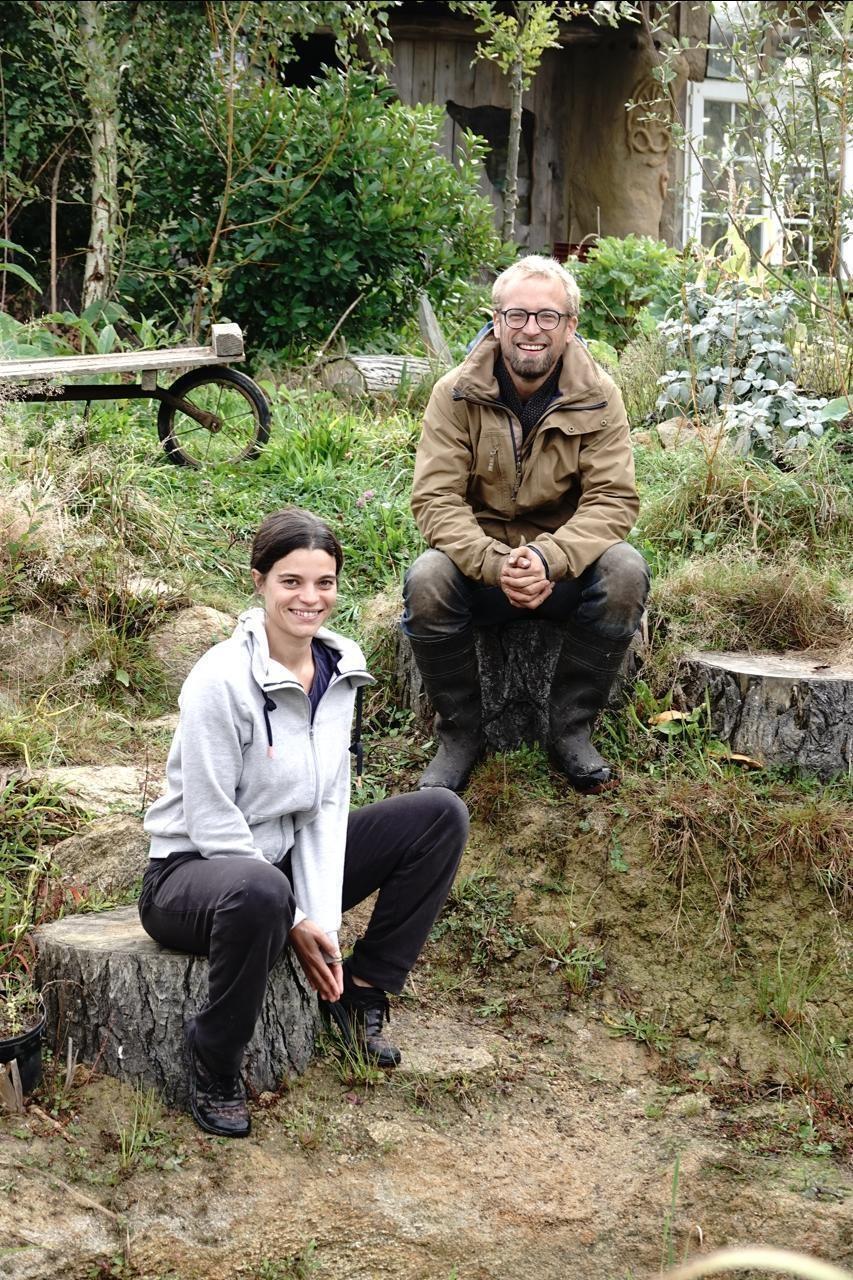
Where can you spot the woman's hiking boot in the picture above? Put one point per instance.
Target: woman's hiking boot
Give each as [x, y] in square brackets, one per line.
[359, 1018]
[218, 1103]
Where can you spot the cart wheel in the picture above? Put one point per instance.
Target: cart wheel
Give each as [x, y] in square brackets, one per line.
[239, 413]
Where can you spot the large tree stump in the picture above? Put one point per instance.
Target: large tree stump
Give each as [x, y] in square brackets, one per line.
[517, 662]
[124, 1000]
[792, 710]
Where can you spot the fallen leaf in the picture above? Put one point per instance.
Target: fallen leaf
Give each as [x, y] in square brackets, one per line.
[666, 717]
[737, 757]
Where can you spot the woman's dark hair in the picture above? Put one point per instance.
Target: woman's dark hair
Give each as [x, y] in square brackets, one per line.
[292, 529]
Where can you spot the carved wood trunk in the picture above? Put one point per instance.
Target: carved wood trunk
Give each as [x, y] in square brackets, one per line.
[124, 1001]
[792, 710]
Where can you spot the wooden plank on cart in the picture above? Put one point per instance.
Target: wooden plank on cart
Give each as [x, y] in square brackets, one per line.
[227, 346]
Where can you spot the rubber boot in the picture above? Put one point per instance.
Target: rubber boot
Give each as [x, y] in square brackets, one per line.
[583, 678]
[452, 680]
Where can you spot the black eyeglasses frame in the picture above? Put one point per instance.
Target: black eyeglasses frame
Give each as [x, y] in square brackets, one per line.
[563, 315]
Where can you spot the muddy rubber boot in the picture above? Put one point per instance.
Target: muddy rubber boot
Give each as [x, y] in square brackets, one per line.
[452, 680]
[585, 673]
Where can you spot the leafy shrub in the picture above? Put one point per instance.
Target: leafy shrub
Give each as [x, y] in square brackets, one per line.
[731, 358]
[347, 198]
[619, 279]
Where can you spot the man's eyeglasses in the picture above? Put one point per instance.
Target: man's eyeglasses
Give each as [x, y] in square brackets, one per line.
[517, 317]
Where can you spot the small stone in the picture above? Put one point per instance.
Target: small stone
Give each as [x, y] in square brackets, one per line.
[691, 1104]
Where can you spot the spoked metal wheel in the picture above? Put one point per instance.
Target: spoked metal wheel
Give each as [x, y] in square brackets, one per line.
[223, 417]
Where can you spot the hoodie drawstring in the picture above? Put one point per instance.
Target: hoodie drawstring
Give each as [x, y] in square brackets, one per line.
[269, 706]
[356, 746]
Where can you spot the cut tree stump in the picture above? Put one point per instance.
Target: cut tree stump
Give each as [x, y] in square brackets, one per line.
[517, 662]
[376, 375]
[791, 710]
[123, 1000]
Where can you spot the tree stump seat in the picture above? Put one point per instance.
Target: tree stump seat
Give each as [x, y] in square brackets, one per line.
[123, 1000]
[517, 661]
[781, 710]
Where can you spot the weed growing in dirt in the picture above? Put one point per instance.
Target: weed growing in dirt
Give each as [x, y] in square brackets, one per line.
[579, 964]
[296, 1266]
[640, 1027]
[478, 921]
[349, 1062]
[141, 1134]
[783, 992]
[503, 782]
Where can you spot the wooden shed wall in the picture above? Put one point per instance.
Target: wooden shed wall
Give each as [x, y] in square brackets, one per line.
[440, 70]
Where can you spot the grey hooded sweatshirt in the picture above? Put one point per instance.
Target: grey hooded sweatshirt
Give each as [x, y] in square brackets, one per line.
[250, 776]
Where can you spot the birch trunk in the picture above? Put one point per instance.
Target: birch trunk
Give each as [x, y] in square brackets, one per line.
[102, 77]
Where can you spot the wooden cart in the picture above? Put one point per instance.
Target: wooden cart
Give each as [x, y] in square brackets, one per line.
[211, 414]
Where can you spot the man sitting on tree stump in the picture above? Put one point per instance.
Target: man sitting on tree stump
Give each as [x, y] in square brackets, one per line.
[524, 489]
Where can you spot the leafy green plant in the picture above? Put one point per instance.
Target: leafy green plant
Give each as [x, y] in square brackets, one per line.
[14, 268]
[579, 964]
[619, 279]
[351, 208]
[641, 1027]
[478, 919]
[731, 359]
[20, 1005]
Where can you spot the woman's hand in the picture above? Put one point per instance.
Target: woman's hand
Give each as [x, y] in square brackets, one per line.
[320, 958]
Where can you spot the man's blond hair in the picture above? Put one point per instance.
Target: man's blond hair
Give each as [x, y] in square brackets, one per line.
[537, 265]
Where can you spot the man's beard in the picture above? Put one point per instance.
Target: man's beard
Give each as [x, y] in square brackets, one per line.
[530, 367]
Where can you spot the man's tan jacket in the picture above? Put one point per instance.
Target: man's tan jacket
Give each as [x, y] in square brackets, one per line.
[569, 487]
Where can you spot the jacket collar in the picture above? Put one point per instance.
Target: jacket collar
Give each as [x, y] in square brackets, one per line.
[251, 631]
[476, 379]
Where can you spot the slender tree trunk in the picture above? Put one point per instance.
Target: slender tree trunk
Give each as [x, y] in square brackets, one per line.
[513, 148]
[54, 201]
[102, 77]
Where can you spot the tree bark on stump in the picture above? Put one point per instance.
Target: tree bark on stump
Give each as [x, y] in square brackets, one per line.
[376, 375]
[516, 662]
[124, 1000]
[792, 710]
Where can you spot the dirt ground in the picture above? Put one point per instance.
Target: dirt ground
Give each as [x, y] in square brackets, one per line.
[529, 1133]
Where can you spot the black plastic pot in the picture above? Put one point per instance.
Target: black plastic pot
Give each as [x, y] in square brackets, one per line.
[26, 1047]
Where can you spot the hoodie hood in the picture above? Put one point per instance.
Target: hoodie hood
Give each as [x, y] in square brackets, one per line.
[251, 630]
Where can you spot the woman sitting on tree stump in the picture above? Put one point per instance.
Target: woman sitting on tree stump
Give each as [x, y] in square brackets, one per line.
[253, 844]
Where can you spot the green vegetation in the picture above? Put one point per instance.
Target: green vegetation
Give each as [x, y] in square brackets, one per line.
[626, 284]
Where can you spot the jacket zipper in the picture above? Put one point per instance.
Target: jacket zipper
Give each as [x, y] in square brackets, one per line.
[496, 404]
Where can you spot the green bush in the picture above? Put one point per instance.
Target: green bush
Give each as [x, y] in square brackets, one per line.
[347, 198]
[622, 278]
[729, 356]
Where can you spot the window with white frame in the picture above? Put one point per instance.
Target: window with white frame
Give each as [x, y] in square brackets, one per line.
[727, 139]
